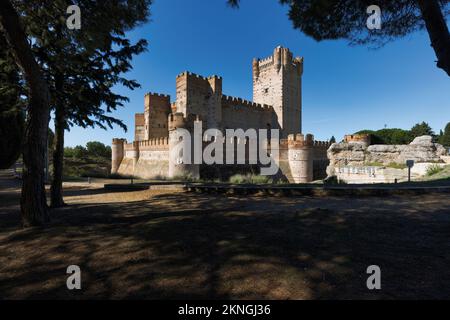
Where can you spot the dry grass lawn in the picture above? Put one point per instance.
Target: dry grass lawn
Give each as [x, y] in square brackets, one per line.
[169, 245]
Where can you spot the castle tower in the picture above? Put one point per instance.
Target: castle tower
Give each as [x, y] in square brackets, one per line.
[117, 154]
[301, 157]
[277, 82]
[364, 139]
[154, 123]
[178, 126]
[200, 96]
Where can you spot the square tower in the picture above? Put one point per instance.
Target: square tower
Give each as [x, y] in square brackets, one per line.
[200, 96]
[277, 81]
[157, 109]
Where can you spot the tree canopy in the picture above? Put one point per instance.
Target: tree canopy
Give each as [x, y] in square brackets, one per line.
[401, 136]
[445, 138]
[421, 129]
[12, 115]
[347, 19]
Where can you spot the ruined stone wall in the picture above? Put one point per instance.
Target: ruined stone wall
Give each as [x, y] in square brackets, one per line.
[354, 161]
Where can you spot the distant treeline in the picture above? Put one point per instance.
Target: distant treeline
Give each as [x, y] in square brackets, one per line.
[93, 149]
[401, 136]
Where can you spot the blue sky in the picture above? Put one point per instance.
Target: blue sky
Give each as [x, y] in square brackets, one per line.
[345, 88]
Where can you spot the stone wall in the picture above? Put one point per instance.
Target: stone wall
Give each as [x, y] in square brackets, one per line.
[354, 161]
[146, 159]
[239, 113]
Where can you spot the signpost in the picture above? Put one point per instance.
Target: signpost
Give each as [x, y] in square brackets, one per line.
[409, 164]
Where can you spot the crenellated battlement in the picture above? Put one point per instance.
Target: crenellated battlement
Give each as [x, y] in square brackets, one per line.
[245, 103]
[265, 62]
[159, 95]
[119, 141]
[154, 144]
[300, 140]
[197, 76]
[321, 144]
[280, 56]
[130, 146]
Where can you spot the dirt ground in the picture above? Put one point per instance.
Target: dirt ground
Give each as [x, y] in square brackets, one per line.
[175, 245]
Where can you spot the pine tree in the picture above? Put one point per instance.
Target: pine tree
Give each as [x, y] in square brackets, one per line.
[445, 139]
[33, 202]
[421, 129]
[83, 66]
[12, 115]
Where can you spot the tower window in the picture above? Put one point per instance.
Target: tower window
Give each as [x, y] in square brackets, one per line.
[266, 90]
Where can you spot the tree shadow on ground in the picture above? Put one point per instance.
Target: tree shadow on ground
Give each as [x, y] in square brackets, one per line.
[190, 246]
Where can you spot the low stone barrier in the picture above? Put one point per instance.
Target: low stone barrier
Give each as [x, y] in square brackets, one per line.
[318, 190]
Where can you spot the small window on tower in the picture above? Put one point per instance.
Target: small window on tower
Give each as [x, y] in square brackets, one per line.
[266, 90]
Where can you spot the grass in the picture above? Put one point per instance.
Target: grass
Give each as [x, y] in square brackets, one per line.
[375, 164]
[396, 165]
[434, 170]
[94, 167]
[393, 165]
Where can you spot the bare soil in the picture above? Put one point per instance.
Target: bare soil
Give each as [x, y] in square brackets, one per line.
[175, 245]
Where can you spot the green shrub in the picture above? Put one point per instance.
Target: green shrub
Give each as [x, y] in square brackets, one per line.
[258, 179]
[374, 164]
[98, 149]
[434, 169]
[253, 179]
[237, 179]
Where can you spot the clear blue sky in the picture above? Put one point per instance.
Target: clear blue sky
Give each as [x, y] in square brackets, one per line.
[345, 88]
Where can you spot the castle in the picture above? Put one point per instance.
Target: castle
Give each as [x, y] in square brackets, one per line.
[277, 104]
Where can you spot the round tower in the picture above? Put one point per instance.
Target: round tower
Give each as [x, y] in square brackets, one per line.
[117, 153]
[255, 67]
[301, 157]
[180, 142]
[135, 154]
[277, 54]
[358, 138]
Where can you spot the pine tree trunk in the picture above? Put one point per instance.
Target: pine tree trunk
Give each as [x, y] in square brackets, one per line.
[58, 158]
[438, 32]
[33, 202]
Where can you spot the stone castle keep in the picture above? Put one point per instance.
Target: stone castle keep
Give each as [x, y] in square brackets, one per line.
[277, 104]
